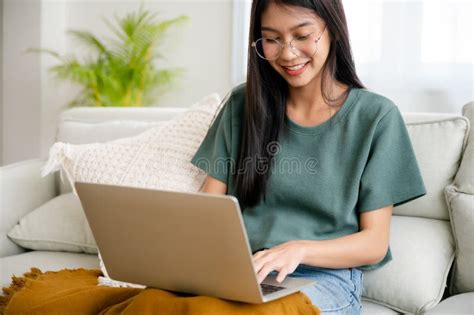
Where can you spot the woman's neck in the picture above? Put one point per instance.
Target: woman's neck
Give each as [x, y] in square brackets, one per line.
[307, 107]
[308, 100]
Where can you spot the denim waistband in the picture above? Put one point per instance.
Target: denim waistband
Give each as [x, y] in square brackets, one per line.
[309, 268]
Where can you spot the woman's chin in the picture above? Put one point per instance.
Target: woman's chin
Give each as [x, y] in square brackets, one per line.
[297, 82]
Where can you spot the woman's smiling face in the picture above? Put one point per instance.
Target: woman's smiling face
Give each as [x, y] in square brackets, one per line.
[290, 22]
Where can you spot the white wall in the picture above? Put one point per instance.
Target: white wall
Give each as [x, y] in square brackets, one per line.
[202, 46]
[55, 95]
[1, 82]
[21, 99]
[33, 99]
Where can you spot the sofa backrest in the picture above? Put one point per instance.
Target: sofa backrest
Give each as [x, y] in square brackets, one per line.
[438, 141]
[86, 124]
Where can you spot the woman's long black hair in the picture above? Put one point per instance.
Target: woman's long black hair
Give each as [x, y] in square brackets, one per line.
[267, 91]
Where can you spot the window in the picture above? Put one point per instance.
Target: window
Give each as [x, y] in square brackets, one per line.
[419, 53]
[447, 32]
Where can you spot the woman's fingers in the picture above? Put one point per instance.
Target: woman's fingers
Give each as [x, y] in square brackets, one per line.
[259, 254]
[260, 261]
[264, 273]
[282, 274]
[280, 258]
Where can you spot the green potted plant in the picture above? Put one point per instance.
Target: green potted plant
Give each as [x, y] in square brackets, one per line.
[121, 71]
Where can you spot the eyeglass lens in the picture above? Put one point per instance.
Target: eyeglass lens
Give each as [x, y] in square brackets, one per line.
[303, 46]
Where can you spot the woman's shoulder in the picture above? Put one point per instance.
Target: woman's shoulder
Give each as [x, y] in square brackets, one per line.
[232, 105]
[238, 94]
[372, 105]
[239, 90]
[373, 101]
[234, 102]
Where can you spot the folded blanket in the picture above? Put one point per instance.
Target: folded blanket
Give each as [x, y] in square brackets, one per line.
[76, 292]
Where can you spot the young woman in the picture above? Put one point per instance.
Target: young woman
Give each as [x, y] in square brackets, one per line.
[316, 161]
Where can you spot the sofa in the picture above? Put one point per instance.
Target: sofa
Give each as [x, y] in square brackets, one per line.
[431, 238]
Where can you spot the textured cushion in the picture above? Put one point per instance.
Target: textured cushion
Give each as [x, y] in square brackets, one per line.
[414, 281]
[461, 304]
[46, 261]
[81, 125]
[157, 158]
[58, 225]
[438, 146]
[462, 222]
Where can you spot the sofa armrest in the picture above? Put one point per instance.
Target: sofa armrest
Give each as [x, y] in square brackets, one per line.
[464, 180]
[22, 189]
[461, 214]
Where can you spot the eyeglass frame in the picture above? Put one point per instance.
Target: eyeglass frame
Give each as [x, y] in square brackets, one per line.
[284, 44]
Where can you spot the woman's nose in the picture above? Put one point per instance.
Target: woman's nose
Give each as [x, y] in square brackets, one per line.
[287, 52]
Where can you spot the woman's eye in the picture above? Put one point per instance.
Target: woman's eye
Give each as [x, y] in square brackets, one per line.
[269, 40]
[303, 37]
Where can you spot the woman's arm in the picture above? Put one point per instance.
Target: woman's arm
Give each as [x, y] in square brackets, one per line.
[367, 246]
[212, 185]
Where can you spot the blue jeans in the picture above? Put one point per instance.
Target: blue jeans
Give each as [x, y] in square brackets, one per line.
[337, 291]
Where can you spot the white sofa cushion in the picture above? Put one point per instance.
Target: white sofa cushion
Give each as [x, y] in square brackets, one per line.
[57, 225]
[17, 265]
[438, 145]
[16, 181]
[461, 207]
[414, 281]
[369, 308]
[461, 304]
[78, 132]
[157, 158]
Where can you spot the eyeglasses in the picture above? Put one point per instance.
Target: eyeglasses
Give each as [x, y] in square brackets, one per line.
[301, 46]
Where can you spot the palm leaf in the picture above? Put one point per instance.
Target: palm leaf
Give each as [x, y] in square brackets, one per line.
[122, 72]
[89, 40]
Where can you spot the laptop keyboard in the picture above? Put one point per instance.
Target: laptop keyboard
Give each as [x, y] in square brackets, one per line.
[268, 288]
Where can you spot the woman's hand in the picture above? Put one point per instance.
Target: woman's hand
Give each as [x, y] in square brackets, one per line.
[283, 258]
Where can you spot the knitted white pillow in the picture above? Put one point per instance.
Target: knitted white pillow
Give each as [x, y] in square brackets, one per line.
[158, 158]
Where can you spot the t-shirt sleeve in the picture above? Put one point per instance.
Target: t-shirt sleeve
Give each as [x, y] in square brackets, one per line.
[213, 155]
[391, 175]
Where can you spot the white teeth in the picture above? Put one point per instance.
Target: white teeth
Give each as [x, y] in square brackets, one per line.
[298, 67]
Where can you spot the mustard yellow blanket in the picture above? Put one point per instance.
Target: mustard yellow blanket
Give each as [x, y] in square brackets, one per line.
[76, 292]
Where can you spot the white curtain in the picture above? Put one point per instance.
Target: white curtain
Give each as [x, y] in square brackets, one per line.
[418, 53]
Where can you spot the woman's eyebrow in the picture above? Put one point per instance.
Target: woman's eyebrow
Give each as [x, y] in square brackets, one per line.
[266, 28]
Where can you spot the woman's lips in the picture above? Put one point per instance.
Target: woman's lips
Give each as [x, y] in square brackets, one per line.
[297, 70]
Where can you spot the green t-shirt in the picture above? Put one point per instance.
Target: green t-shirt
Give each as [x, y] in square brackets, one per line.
[323, 176]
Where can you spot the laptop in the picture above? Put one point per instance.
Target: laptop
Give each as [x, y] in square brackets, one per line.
[193, 243]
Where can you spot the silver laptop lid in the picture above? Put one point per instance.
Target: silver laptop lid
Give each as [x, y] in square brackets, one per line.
[185, 242]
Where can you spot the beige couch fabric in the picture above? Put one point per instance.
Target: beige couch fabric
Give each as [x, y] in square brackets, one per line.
[58, 225]
[414, 281]
[462, 223]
